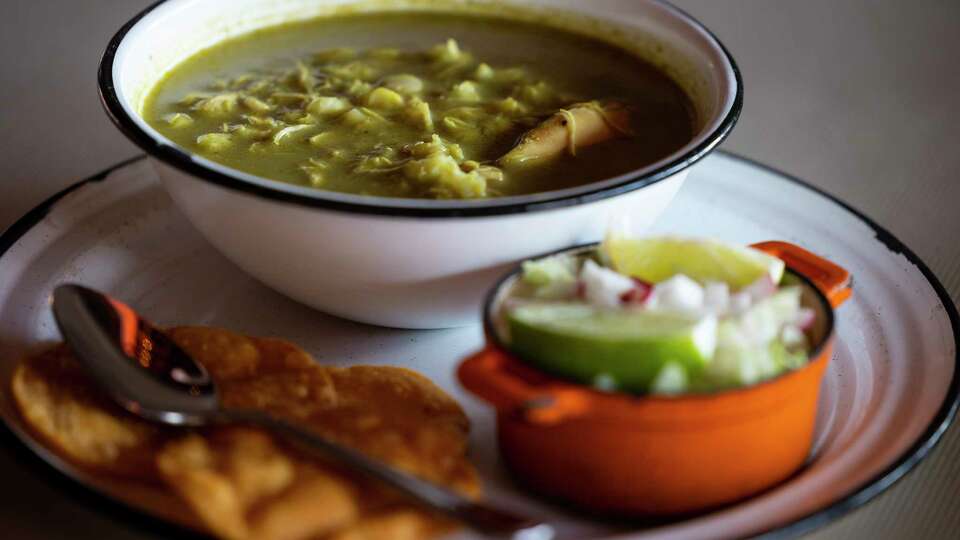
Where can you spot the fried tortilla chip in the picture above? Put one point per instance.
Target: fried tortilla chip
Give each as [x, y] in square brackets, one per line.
[245, 486]
[244, 483]
[402, 524]
[57, 401]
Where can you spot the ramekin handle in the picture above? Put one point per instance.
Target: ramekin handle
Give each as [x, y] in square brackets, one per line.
[833, 281]
[485, 374]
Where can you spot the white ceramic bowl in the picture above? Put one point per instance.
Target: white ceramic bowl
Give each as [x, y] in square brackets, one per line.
[399, 262]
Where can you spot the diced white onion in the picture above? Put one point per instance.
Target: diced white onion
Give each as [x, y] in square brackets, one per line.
[602, 286]
[679, 293]
[716, 297]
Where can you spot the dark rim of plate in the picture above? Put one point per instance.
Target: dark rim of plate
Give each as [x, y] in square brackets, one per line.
[491, 302]
[22, 449]
[183, 161]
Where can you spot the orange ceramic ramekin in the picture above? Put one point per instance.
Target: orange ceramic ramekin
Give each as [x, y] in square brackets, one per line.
[658, 455]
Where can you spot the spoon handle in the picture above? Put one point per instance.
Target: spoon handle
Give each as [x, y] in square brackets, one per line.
[485, 519]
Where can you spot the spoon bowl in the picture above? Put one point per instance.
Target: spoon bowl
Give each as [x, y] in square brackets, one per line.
[141, 369]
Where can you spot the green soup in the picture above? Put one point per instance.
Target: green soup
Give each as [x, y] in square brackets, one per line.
[420, 105]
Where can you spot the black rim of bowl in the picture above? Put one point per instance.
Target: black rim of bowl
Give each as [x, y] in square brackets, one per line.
[491, 303]
[174, 156]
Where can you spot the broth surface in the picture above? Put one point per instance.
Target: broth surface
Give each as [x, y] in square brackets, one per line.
[341, 103]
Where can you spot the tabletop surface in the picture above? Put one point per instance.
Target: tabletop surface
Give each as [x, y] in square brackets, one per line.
[857, 97]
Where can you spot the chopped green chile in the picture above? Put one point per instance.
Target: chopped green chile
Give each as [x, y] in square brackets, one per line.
[337, 104]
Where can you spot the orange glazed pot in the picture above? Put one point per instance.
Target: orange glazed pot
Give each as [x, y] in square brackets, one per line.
[636, 455]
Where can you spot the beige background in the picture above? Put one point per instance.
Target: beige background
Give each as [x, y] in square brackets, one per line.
[858, 97]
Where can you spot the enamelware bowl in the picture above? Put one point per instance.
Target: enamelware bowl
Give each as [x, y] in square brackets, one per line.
[658, 455]
[402, 262]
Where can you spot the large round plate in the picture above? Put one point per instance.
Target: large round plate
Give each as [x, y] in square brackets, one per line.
[890, 392]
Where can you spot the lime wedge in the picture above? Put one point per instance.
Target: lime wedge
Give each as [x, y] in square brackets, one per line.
[624, 347]
[656, 259]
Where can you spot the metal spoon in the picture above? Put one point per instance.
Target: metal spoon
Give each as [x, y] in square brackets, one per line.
[149, 375]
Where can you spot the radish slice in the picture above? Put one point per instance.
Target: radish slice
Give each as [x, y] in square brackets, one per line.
[637, 295]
